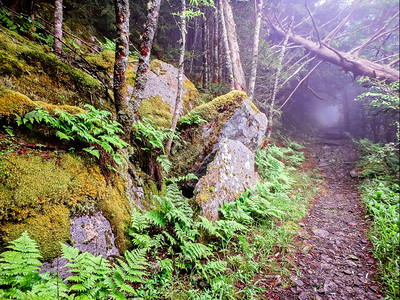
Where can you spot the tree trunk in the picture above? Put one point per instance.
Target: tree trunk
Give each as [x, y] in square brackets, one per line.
[254, 62]
[178, 101]
[216, 49]
[205, 52]
[145, 51]
[276, 82]
[348, 62]
[238, 74]
[58, 19]
[228, 60]
[125, 116]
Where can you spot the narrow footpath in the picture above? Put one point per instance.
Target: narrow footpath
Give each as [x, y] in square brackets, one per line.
[336, 262]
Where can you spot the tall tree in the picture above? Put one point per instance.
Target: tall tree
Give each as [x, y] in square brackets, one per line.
[228, 59]
[145, 51]
[58, 19]
[254, 63]
[234, 51]
[178, 101]
[125, 115]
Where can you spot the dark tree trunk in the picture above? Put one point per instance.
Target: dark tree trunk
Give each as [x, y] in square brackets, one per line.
[125, 116]
[58, 19]
[205, 52]
[145, 51]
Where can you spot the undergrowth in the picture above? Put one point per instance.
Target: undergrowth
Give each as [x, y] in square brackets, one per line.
[181, 255]
[379, 170]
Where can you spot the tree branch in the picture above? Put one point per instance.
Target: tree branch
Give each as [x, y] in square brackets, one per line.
[313, 21]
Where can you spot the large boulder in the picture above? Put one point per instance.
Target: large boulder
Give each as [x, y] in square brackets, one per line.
[159, 96]
[228, 175]
[231, 116]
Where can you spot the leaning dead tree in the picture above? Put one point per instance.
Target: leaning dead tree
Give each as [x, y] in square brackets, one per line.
[350, 61]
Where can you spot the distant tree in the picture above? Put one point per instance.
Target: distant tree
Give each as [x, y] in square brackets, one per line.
[58, 19]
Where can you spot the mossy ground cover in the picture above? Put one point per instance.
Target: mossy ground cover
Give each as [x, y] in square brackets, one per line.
[40, 189]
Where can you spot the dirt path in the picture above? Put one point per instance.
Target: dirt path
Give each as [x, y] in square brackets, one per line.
[336, 262]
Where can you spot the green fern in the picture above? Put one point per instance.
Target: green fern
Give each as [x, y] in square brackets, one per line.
[131, 270]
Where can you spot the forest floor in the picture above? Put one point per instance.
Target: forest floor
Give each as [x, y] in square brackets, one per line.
[335, 261]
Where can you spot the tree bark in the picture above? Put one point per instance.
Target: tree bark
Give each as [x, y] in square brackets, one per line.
[276, 82]
[228, 60]
[125, 116]
[240, 80]
[58, 19]
[216, 49]
[205, 52]
[254, 62]
[348, 62]
[178, 101]
[145, 51]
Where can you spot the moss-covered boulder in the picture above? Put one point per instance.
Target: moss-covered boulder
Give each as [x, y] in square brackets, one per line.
[34, 71]
[40, 190]
[162, 86]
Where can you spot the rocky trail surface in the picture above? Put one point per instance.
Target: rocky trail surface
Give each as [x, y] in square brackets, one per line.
[335, 261]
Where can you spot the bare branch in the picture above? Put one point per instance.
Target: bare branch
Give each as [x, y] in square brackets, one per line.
[313, 21]
[298, 70]
[331, 36]
[300, 82]
[333, 19]
[393, 63]
[314, 93]
[381, 32]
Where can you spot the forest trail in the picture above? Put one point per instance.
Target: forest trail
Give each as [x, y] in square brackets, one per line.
[336, 261]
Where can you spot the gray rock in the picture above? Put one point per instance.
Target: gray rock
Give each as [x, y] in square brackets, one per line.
[353, 173]
[247, 125]
[303, 296]
[330, 287]
[229, 174]
[321, 233]
[93, 234]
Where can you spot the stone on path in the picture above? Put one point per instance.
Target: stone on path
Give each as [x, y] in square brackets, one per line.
[321, 233]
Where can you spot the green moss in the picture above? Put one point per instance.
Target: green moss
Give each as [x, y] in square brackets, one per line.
[48, 228]
[158, 111]
[188, 158]
[190, 96]
[225, 103]
[43, 77]
[38, 189]
[156, 67]
[103, 61]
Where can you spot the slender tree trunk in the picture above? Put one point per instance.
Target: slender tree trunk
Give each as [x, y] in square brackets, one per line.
[178, 101]
[205, 52]
[254, 62]
[145, 51]
[216, 48]
[276, 82]
[58, 19]
[192, 58]
[125, 116]
[228, 60]
[240, 80]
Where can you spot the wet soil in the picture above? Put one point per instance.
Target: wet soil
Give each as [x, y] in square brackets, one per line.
[335, 260]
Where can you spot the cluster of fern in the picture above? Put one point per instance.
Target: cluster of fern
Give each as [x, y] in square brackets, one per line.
[170, 243]
[91, 277]
[94, 128]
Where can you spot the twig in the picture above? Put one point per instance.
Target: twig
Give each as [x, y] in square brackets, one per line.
[313, 21]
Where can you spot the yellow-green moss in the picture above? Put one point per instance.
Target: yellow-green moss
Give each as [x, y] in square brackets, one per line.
[158, 111]
[48, 228]
[43, 77]
[156, 67]
[190, 96]
[103, 61]
[216, 112]
[31, 186]
[228, 103]
[12, 102]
